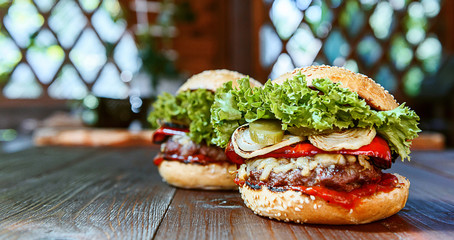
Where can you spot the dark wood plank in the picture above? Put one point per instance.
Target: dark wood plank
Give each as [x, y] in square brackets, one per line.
[440, 162]
[30, 163]
[113, 193]
[429, 214]
[430, 207]
[222, 215]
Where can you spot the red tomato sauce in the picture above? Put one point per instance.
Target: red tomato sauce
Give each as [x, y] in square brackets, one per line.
[346, 200]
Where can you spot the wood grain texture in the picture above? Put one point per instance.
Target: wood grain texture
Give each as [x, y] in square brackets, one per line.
[430, 206]
[31, 163]
[108, 193]
[439, 162]
[222, 215]
[111, 194]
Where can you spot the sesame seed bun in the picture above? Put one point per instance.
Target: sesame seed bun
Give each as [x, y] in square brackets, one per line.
[302, 208]
[373, 93]
[214, 79]
[196, 176]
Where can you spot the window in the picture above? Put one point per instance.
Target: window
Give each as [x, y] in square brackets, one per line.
[391, 41]
[65, 49]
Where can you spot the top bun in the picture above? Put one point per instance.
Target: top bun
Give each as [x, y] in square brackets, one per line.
[373, 93]
[214, 79]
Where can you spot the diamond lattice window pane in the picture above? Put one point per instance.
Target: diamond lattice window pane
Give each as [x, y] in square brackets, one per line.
[401, 52]
[303, 47]
[126, 54]
[398, 4]
[386, 78]
[108, 29]
[415, 34]
[319, 17]
[412, 81]
[44, 5]
[22, 84]
[89, 5]
[45, 56]
[22, 21]
[270, 45]
[382, 19]
[431, 7]
[286, 17]
[303, 4]
[88, 55]
[109, 84]
[415, 23]
[336, 48]
[283, 65]
[68, 85]
[351, 65]
[369, 50]
[429, 52]
[67, 21]
[352, 18]
[10, 55]
[368, 4]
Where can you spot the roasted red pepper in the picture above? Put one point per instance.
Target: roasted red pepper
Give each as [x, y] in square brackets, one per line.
[377, 149]
[163, 132]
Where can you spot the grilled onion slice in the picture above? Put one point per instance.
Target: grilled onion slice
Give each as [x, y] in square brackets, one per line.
[246, 148]
[347, 139]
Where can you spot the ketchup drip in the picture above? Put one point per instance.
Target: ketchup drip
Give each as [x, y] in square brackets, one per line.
[346, 200]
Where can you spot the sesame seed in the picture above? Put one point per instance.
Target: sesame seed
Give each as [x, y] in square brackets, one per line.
[312, 198]
[297, 209]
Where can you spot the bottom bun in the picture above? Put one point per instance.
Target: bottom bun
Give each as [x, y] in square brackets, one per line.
[196, 176]
[302, 208]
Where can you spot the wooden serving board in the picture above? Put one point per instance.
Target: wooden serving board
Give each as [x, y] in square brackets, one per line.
[97, 137]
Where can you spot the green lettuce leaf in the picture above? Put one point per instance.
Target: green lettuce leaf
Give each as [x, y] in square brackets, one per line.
[297, 105]
[191, 108]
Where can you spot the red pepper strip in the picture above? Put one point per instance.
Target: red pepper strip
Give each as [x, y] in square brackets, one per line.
[378, 148]
[163, 132]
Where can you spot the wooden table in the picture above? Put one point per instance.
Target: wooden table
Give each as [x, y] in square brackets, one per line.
[108, 193]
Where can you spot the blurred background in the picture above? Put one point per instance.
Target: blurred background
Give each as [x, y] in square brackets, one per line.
[104, 61]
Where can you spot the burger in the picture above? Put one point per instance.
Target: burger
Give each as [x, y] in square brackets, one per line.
[188, 158]
[312, 146]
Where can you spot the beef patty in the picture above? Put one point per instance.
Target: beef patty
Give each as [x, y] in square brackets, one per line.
[183, 148]
[336, 177]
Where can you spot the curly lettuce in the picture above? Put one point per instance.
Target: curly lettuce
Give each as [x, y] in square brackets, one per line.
[324, 106]
[191, 108]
